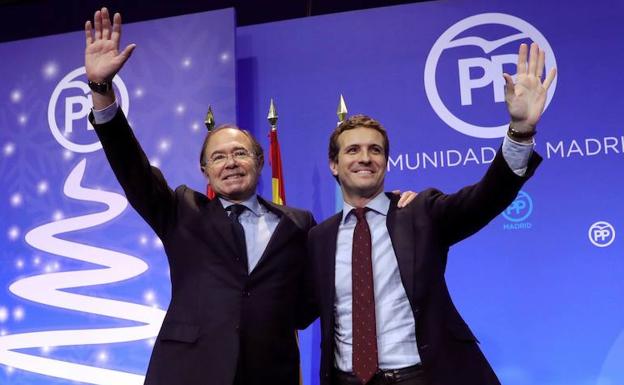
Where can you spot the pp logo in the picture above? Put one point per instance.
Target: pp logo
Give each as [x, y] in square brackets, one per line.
[471, 57]
[601, 234]
[71, 101]
[520, 209]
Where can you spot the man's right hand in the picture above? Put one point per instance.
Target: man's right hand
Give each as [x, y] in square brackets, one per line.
[102, 57]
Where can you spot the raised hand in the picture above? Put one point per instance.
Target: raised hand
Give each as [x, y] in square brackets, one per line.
[102, 57]
[527, 97]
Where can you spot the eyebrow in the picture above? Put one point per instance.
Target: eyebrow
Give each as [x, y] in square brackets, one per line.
[234, 149]
[358, 145]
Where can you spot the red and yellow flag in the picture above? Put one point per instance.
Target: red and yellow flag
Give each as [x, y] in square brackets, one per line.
[277, 175]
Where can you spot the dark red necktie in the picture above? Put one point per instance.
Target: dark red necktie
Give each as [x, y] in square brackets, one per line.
[363, 296]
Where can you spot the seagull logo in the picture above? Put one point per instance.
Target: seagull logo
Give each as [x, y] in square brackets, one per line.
[70, 103]
[464, 71]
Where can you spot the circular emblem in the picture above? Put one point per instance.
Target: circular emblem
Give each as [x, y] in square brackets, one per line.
[601, 234]
[466, 33]
[520, 209]
[81, 98]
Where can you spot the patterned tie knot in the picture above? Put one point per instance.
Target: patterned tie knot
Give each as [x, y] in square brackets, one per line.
[360, 213]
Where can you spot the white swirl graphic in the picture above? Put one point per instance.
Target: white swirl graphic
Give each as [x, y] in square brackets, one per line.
[47, 289]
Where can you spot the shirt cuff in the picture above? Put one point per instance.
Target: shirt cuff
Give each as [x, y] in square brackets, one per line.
[517, 154]
[106, 114]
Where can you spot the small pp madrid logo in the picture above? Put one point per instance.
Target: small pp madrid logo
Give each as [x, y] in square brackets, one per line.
[69, 107]
[520, 209]
[601, 234]
[464, 71]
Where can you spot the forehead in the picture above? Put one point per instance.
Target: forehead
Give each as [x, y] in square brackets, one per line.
[227, 139]
[360, 136]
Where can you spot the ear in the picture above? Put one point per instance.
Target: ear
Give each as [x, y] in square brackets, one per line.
[260, 163]
[333, 166]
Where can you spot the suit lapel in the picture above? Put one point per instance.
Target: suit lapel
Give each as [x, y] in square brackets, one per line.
[402, 238]
[285, 229]
[328, 264]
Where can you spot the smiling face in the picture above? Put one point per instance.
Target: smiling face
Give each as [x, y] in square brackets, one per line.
[360, 165]
[236, 178]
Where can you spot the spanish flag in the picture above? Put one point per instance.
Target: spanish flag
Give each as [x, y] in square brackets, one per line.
[277, 175]
[277, 179]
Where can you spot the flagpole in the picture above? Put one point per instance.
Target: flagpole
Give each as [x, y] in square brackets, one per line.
[209, 122]
[342, 114]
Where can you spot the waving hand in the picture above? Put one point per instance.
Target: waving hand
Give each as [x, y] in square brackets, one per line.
[527, 97]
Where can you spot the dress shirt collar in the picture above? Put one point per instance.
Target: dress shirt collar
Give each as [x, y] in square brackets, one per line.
[379, 204]
[252, 205]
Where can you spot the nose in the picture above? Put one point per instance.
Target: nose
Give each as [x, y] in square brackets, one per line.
[230, 162]
[365, 157]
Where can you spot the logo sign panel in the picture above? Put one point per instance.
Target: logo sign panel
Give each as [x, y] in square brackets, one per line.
[69, 108]
[464, 71]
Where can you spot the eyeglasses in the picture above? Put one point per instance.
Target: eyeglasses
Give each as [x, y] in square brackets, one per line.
[220, 159]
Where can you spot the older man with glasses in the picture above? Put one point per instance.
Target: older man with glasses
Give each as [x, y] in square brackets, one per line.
[235, 261]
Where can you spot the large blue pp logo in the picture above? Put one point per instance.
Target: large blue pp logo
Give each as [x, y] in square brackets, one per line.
[475, 52]
[520, 209]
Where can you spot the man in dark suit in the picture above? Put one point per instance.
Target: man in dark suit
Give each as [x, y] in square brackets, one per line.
[386, 313]
[235, 261]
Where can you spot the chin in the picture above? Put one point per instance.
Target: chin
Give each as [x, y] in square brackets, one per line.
[369, 191]
[240, 194]
[238, 186]
[368, 187]
[235, 193]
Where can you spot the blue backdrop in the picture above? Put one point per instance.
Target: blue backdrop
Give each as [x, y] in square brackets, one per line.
[541, 286]
[84, 279]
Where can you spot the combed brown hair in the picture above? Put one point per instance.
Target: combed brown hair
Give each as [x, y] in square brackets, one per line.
[356, 121]
[256, 148]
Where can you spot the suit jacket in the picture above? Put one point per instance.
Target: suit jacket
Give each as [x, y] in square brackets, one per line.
[421, 235]
[221, 320]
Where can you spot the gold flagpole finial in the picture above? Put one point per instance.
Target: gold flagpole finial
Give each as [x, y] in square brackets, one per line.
[272, 117]
[209, 121]
[342, 110]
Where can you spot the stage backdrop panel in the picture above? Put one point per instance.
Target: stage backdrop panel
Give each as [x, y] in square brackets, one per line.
[541, 286]
[84, 280]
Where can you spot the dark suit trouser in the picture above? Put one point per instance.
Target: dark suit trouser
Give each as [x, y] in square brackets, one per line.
[239, 378]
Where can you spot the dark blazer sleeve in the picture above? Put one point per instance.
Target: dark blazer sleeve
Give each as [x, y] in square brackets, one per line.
[463, 213]
[308, 307]
[144, 185]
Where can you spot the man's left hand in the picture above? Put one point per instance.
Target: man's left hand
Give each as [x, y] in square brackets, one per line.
[406, 197]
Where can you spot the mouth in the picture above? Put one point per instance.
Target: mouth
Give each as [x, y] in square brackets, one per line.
[364, 172]
[233, 177]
